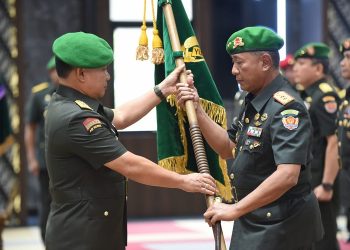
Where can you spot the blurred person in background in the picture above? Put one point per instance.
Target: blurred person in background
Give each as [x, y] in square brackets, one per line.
[35, 139]
[321, 99]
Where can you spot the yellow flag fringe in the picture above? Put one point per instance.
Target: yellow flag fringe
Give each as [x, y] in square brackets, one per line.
[178, 163]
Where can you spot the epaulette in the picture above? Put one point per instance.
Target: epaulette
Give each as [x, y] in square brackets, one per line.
[40, 86]
[283, 97]
[82, 105]
[342, 93]
[325, 87]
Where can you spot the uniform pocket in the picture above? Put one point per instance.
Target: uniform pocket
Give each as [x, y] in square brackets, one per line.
[269, 214]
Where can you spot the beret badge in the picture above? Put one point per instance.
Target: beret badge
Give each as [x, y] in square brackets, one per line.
[238, 42]
[310, 51]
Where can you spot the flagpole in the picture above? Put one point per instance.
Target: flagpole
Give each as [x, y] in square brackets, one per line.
[196, 136]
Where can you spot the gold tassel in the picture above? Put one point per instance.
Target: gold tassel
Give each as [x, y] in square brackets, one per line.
[157, 45]
[142, 49]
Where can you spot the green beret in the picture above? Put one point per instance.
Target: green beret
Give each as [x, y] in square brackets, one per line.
[345, 45]
[51, 64]
[253, 39]
[83, 50]
[313, 50]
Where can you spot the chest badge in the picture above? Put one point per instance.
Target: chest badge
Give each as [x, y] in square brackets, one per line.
[257, 116]
[264, 117]
[254, 131]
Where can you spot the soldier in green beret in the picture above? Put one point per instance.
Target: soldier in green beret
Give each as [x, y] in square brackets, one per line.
[322, 101]
[35, 139]
[274, 207]
[87, 163]
[344, 131]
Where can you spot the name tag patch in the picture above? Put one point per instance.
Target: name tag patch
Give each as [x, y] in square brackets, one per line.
[254, 131]
[91, 124]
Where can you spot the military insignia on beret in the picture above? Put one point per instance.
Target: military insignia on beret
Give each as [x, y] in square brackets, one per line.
[238, 42]
[310, 51]
[91, 124]
[82, 105]
[254, 131]
[289, 119]
[331, 107]
[282, 97]
[345, 45]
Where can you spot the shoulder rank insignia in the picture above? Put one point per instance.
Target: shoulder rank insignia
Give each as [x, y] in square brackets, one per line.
[82, 105]
[342, 93]
[40, 87]
[283, 97]
[325, 87]
[91, 124]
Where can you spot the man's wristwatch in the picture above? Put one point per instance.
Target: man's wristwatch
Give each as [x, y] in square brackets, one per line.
[327, 186]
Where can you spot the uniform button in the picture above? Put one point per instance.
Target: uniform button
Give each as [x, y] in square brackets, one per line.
[232, 176]
[105, 213]
[246, 120]
[268, 215]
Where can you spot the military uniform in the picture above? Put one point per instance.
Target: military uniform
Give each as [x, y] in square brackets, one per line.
[88, 208]
[344, 141]
[274, 128]
[36, 109]
[322, 102]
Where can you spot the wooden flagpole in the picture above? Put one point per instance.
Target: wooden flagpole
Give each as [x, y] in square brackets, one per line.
[196, 135]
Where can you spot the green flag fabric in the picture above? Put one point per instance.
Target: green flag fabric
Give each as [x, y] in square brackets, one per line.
[175, 150]
[6, 138]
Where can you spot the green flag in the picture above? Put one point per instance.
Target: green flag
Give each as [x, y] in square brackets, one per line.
[175, 150]
[6, 138]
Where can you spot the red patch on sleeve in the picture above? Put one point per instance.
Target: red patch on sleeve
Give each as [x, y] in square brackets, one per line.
[91, 123]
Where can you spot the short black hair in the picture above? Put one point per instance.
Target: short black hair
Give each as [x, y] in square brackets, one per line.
[62, 68]
[275, 57]
[324, 62]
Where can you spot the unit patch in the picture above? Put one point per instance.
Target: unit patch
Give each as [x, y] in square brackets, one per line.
[91, 124]
[331, 107]
[254, 131]
[290, 120]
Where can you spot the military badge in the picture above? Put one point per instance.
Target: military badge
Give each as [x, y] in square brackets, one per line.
[289, 119]
[331, 107]
[328, 99]
[238, 42]
[263, 117]
[257, 116]
[347, 112]
[310, 51]
[283, 97]
[82, 105]
[290, 122]
[346, 44]
[254, 131]
[91, 124]
[257, 123]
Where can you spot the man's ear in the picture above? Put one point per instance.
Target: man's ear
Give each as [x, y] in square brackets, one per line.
[266, 61]
[80, 74]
